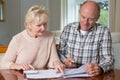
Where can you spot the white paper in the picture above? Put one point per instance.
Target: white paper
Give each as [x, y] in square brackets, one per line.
[31, 71]
[43, 74]
[75, 72]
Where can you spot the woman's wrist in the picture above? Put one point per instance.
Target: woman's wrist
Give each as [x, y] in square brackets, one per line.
[13, 66]
[57, 62]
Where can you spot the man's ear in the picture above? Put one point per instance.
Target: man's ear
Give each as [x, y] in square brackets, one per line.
[97, 17]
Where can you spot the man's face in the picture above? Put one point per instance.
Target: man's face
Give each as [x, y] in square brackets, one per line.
[88, 17]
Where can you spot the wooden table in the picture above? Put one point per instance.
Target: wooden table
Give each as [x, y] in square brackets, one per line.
[18, 75]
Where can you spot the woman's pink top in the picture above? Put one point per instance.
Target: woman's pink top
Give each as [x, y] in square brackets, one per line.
[39, 52]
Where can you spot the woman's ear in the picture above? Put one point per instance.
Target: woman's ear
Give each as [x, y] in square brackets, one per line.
[28, 27]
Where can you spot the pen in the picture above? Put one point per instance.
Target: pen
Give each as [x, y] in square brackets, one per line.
[73, 62]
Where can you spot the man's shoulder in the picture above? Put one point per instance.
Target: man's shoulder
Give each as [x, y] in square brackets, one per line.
[72, 25]
[101, 26]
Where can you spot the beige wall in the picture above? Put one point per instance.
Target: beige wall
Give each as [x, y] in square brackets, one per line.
[115, 15]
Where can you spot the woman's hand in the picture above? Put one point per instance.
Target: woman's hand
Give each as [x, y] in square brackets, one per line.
[59, 67]
[21, 66]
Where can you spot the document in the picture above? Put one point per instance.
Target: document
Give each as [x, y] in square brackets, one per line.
[50, 73]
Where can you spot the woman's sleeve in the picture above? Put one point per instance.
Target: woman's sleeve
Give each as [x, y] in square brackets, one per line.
[53, 54]
[10, 55]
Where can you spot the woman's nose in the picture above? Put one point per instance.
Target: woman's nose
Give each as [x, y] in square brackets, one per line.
[43, 27]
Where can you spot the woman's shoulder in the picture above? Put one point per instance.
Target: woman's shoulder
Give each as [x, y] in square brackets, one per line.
[20, 34]
[49, 33]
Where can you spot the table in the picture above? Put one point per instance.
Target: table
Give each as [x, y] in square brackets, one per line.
[18, 75]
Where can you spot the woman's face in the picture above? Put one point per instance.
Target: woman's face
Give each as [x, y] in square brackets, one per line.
[37, 28]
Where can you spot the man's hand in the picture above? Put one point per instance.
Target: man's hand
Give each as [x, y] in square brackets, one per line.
[69, 63]
[93, 69]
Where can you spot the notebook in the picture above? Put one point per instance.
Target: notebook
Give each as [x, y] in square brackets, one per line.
[50, 73]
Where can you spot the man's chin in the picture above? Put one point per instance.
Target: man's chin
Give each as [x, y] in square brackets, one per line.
[85, 28]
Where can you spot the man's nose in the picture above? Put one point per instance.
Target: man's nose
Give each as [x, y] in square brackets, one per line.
[86, 20]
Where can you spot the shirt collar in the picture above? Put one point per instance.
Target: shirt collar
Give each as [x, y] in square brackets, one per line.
[92, 28]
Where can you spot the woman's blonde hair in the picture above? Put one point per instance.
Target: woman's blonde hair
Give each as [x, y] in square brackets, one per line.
[36, 11]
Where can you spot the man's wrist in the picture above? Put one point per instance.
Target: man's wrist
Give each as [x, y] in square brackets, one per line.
[101, 70]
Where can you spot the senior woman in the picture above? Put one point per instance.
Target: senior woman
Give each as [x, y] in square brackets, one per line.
[34, 47]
